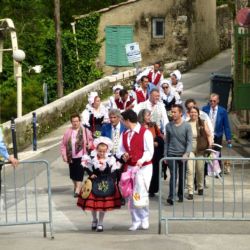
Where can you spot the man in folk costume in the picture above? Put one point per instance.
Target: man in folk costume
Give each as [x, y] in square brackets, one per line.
[157, 108]
[141, 93]
[155, 76]
[75, 143]
[136, 149]
[126, 101]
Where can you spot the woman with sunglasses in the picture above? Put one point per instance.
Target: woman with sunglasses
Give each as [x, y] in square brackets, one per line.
[169, 96]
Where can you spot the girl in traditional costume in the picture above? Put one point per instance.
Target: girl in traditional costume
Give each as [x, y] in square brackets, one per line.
[102, 169]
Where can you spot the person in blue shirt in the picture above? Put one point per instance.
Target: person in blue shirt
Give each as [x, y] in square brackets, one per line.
[219, 119]
[4, 152]
[220, 122]
[5, 155]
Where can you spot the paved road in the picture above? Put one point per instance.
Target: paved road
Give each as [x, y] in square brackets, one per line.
[72, 226]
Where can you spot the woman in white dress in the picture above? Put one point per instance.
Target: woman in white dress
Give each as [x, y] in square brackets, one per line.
[175, 81]
[116, 96]
[94, 115]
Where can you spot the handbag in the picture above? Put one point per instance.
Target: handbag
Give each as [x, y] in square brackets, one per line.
[103, 186]
[202, 140]
[86, 188]
[126, 183]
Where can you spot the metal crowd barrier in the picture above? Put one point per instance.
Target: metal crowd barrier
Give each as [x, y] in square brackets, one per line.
[25, 195]
[226, 199]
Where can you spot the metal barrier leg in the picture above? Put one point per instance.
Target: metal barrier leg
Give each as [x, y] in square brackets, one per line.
[51, 231]
[1, 204]
[166, 226]
[159, 226]
[44, 230]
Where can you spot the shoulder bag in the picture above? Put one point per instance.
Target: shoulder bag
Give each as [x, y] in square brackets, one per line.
[202, 140]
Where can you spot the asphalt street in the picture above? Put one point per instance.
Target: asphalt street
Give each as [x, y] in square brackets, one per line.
[72, 226]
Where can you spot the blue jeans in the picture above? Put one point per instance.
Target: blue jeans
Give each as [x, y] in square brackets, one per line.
[175, 165]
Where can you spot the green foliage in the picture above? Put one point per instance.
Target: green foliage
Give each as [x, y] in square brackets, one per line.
[221, 2]
[35, 29]
[71, 8]
[231, 5]
[82, 71]
[246, 59]
[8, 99]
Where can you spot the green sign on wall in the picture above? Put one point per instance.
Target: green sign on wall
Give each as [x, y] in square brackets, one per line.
[116, 39]
[242, 68]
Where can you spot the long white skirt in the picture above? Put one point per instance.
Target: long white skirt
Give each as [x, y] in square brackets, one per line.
[140, 214]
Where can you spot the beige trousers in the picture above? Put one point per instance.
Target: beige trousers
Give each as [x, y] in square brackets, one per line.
[195, 166]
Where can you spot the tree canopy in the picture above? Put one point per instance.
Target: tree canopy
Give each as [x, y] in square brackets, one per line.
[34, 23]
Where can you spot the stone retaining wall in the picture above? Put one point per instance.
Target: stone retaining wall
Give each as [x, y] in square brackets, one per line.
[224, 26]
[53, 115]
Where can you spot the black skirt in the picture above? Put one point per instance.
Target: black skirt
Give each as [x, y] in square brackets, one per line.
[76, 170]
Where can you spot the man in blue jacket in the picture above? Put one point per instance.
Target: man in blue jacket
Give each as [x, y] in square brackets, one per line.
[113, 129]
[219, 118]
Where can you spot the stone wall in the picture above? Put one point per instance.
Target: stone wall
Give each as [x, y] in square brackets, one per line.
[224, 26]
[55, 114]
[202, 38]
[190, 29]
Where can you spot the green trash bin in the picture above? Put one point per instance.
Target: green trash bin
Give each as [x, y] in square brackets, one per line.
[221, 85]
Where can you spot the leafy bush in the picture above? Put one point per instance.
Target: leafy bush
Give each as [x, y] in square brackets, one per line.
[35, 29]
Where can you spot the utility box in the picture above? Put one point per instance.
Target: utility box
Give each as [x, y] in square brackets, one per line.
[221, 85]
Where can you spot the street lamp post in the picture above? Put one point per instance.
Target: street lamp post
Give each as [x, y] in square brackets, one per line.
[18, 56]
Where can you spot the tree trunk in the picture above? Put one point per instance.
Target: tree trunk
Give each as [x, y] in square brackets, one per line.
[58, 50]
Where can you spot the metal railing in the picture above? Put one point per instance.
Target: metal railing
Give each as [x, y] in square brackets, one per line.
[226, 198]
[25, 195]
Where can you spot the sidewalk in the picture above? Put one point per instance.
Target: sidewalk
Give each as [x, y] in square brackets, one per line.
[46, 143]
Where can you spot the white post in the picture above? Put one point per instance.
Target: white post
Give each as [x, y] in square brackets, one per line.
[19, 89]
[18, 57]
[73, 24]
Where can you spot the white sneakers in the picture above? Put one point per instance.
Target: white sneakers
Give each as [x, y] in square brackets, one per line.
[144, 225]
[134, 226]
